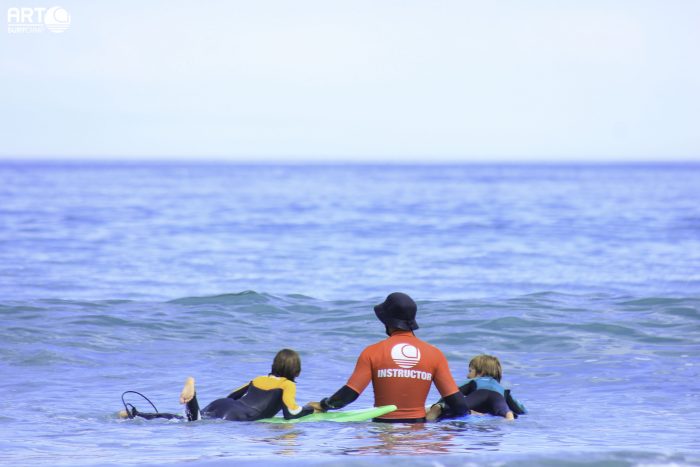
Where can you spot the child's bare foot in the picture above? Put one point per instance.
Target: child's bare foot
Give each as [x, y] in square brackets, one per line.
[187, 391]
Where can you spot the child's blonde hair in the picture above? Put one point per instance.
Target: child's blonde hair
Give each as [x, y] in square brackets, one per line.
[487, 365]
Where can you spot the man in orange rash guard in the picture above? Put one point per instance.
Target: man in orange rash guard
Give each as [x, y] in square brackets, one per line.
[401, 368]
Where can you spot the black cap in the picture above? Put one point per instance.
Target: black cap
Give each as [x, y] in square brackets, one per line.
[398, 311]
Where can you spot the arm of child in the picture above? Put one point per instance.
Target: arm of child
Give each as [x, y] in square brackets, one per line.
[238, 393]
[514, 404]
[290, 409]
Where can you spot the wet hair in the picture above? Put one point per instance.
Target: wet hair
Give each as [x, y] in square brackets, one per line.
[287, 364]
[487, 365]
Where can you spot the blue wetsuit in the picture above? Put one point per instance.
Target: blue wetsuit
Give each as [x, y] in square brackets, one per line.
[486, 395]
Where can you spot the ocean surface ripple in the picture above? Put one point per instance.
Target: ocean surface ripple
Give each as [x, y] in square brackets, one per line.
[584, 281]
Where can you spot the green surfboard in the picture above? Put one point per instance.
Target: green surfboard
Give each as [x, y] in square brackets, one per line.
[361, 415]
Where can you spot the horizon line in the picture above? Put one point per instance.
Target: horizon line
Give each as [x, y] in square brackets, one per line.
[208, 160]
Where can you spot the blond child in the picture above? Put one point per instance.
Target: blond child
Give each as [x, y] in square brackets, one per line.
[483, 392]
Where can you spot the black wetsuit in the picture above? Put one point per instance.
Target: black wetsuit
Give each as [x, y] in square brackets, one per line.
[485, 395]
[261, 398]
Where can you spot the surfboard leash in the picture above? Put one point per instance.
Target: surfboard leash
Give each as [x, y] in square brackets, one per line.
[126, 404]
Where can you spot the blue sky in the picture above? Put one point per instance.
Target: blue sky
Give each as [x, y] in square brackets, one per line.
[356, 81]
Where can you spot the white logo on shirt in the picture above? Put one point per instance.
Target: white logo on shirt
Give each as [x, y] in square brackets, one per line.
[405, 355]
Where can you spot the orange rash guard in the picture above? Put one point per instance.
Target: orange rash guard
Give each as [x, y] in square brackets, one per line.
[401, 369]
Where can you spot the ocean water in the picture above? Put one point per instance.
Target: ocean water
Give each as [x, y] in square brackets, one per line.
[583, 280]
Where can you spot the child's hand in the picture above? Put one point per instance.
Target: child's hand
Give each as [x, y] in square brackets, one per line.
[316, 406]
[433, 413]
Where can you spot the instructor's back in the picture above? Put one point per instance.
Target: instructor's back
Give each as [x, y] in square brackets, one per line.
[401, 368]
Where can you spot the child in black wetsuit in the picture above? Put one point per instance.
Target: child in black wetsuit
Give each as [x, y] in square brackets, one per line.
[263, 397]
[483, 392]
